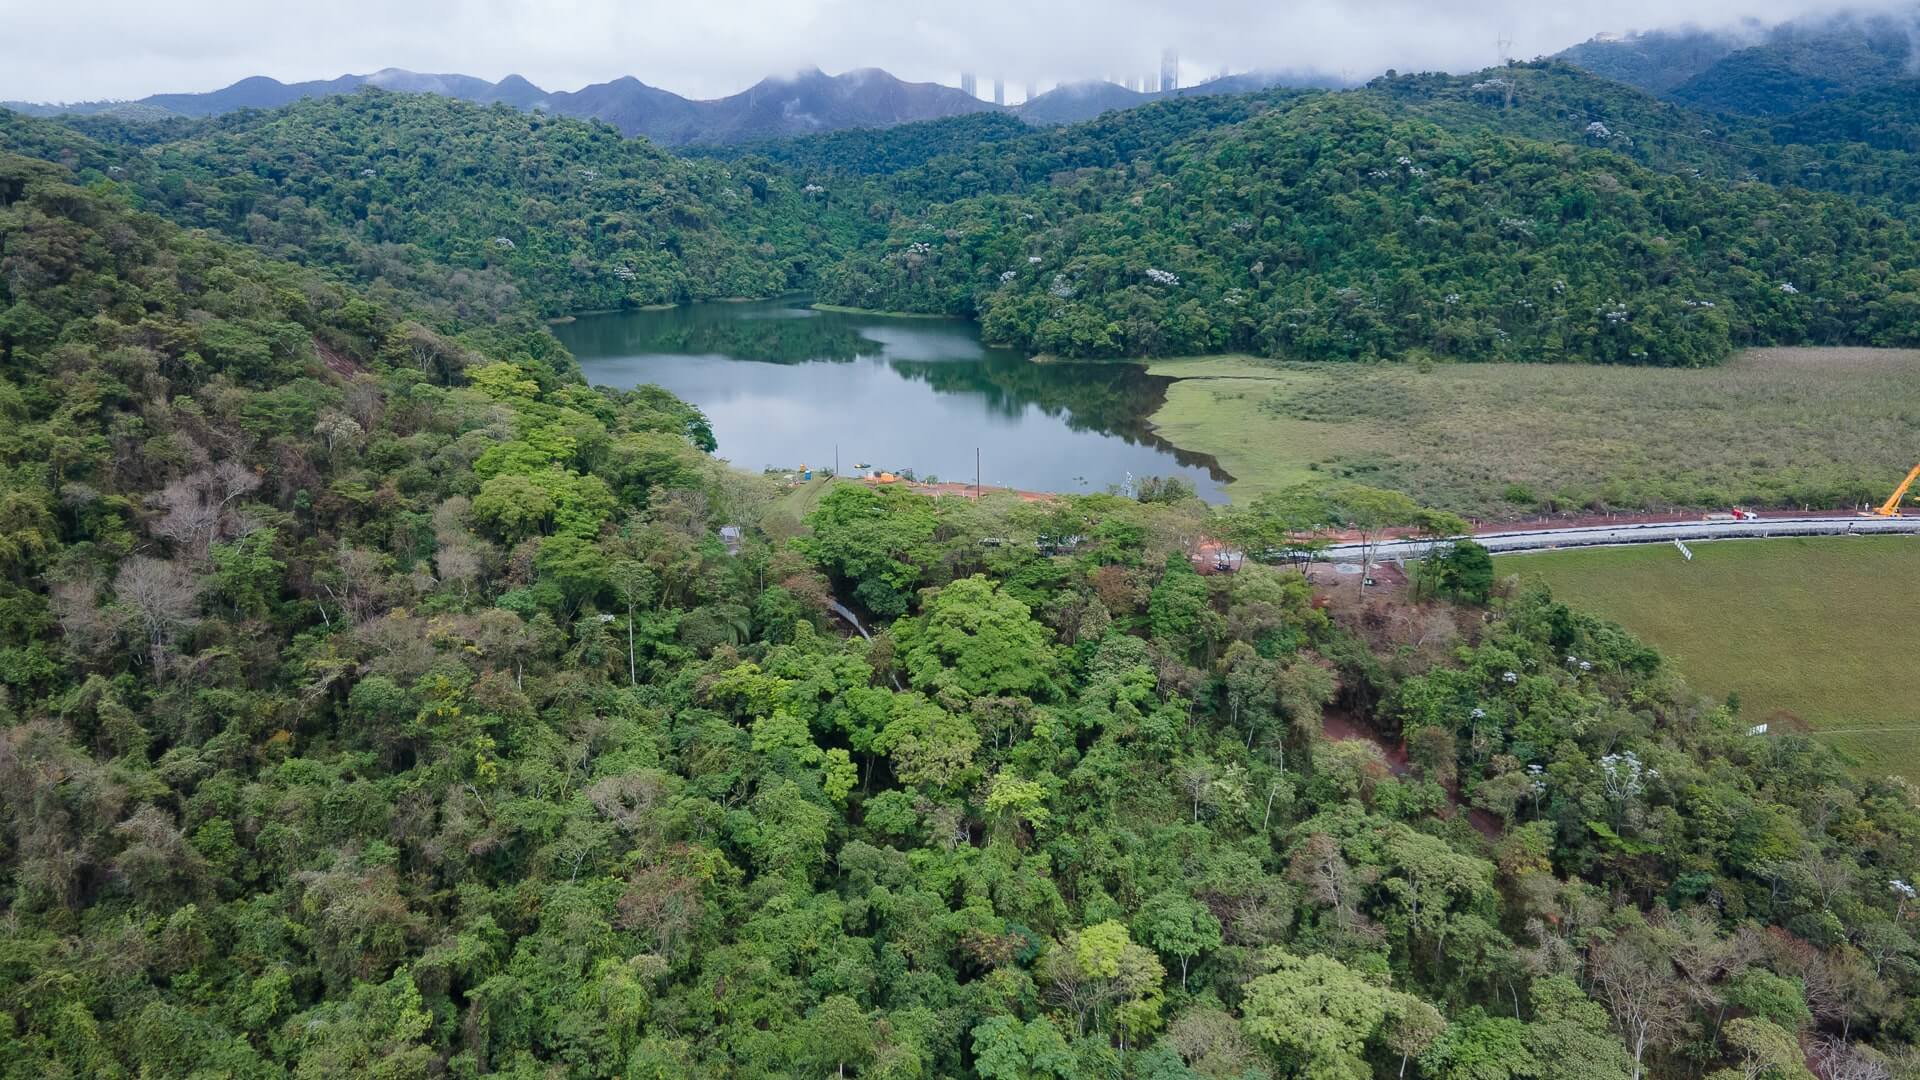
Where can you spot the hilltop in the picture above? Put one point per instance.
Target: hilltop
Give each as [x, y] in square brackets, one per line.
[476, 210]
[1352, 226]
[1758, 70]
[780, 106]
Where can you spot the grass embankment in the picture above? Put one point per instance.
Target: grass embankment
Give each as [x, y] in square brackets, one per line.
[800, 500]
[1771, 427]
[1821, 630]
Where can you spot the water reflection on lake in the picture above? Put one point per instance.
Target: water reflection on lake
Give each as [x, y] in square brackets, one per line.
[783, 385]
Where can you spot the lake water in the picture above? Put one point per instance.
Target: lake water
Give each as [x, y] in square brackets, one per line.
[784, 385]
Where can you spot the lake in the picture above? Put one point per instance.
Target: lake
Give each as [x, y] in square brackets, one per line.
[784, 385]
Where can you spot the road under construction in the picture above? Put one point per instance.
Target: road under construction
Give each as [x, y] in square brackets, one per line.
[1515, 541]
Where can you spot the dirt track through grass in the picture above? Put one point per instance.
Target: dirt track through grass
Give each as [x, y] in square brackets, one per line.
[1772, 427]
[1823, 631]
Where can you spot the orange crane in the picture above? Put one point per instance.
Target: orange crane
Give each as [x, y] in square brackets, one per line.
[1891, 508]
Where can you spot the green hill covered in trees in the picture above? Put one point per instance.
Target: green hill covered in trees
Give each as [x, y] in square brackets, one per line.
[1755, 71]
[377, 699]
[1327, 227]
[478, 210]
[1533, 212]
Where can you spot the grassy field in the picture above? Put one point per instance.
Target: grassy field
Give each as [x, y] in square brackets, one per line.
[1771, 427]
[1819, 630]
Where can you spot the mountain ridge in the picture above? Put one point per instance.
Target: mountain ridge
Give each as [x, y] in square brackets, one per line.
[807, 102]
[1754, 70]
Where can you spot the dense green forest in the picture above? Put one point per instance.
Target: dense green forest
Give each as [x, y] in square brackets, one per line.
[1329, 229]
[1819, 57]
[1885, 117]
[381, 701]
[875, 151]
[475, 211]
[1534, 212]
[377, 698]
[1842, 146]
[1825, 149]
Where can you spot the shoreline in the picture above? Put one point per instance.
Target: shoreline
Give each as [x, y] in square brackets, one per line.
[842, 309]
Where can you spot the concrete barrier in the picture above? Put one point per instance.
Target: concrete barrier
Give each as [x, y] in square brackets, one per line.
[1524, 540]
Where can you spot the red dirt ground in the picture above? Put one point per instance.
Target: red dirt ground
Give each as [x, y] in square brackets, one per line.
[1340, 726]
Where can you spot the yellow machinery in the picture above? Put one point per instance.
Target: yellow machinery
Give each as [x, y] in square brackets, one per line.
[1891, 508]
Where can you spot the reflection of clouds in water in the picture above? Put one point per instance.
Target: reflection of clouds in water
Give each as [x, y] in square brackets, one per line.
[915, 343]
[932, 395]
[771, 313]
[627, 372]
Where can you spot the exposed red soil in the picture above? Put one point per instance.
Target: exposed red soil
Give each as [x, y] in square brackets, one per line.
[1341, 726]
[337, 362]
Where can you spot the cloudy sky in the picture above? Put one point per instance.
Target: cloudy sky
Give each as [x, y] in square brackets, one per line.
[87, 49]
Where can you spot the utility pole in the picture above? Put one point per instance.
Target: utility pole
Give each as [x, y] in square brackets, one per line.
[976, 474]
[836, 460]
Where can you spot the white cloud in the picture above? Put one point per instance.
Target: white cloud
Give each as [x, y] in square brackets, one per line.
[128, 48]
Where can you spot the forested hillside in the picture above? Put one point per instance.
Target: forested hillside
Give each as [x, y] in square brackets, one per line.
[1328, 228]
[1496, 216]
[1754, 71]
[1886, 117]
[875, 151]
[477, 209]
[377, 698]
[1658, 60]
[1555, 102]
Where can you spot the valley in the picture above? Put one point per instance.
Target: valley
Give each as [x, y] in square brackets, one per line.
[785, 386]
[432, 646]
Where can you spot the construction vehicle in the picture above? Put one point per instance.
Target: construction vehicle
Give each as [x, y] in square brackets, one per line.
[1891, 508]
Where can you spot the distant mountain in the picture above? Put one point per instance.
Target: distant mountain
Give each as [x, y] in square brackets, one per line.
[261, 92]
[628, 104]
[1073, 103]
[1760, 71]
[1070, 103]
[1656, 61]
[1798, 70]
[783, 106]
[515, 91]
[808, 103]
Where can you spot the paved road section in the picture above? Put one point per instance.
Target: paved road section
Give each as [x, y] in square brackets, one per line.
[1506, 543]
